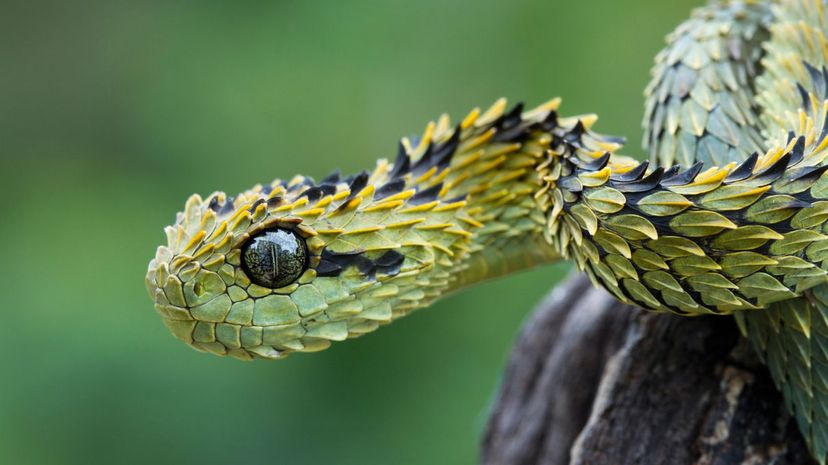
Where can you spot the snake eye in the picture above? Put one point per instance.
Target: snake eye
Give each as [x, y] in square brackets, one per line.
[274, 258]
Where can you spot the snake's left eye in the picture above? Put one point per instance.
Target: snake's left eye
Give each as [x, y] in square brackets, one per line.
[274, 258]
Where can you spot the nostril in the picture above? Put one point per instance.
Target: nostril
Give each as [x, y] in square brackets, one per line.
[204, 287]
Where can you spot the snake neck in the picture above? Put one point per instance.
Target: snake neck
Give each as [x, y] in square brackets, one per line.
[513, 171]
[489, 166]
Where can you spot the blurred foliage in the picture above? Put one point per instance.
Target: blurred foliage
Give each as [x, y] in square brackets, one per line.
[112, 112]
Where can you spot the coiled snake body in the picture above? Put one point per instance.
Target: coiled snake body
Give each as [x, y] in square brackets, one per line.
[727, 217]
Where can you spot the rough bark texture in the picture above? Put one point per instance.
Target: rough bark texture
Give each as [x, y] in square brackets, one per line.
[595, 382]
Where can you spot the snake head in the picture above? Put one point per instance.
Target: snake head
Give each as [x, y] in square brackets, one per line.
[292, 266]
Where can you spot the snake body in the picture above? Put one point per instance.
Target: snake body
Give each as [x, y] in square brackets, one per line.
[727, 217]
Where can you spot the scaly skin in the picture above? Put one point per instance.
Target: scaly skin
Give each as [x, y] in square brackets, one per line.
[738, 99]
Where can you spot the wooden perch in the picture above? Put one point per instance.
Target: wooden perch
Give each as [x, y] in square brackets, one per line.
[594, 382]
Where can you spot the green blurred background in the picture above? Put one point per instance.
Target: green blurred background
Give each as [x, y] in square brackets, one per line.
[112, 113]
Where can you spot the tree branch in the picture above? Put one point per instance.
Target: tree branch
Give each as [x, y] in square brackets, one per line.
[592, 382]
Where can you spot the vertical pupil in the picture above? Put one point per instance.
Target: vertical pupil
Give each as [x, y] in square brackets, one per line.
[274, 258]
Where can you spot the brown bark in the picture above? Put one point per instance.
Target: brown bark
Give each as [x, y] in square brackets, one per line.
[595, 382]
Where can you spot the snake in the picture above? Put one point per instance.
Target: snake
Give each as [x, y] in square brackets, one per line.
[726, 217]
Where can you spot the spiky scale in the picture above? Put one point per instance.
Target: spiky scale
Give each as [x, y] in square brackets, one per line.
[700, 224]
[632, 227]
[675, 246]
[621, 266]
[647, 260]
[694, 265]
[734, 197]
[641, 294]
[745, 238]
[613, 243]
[663, 203]
[605, 200]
